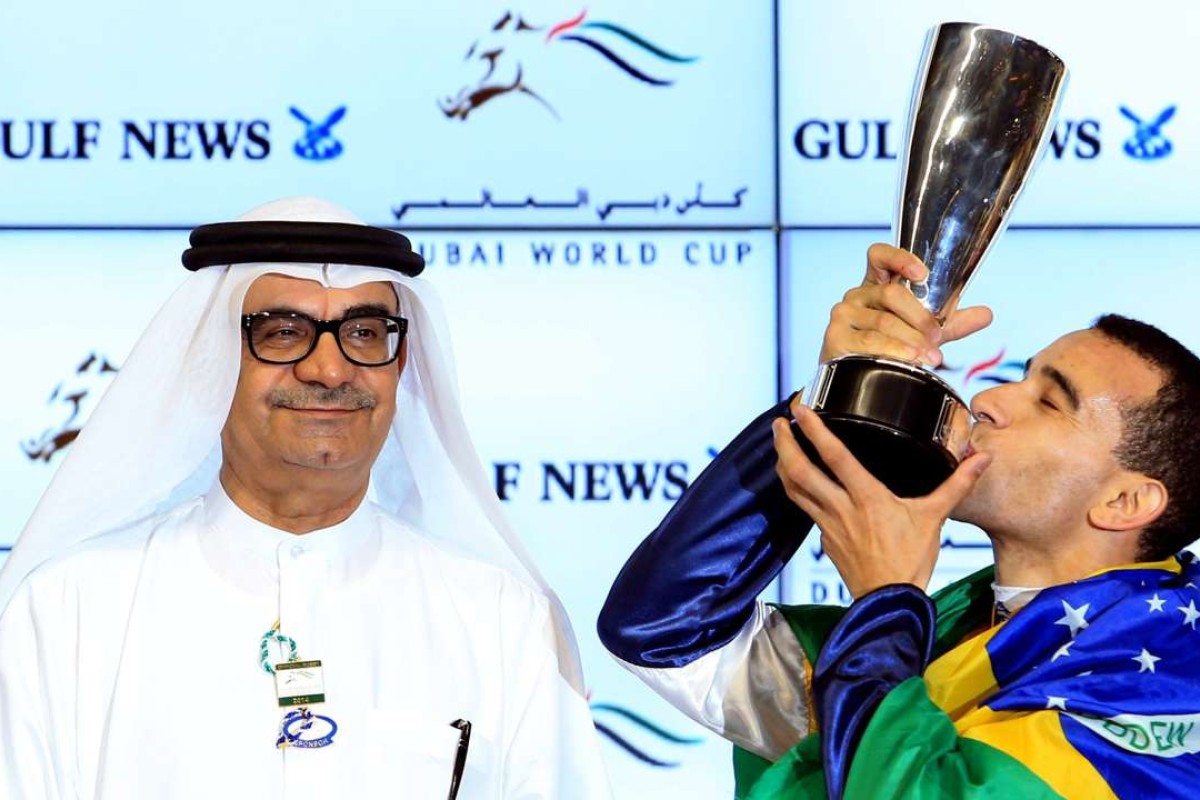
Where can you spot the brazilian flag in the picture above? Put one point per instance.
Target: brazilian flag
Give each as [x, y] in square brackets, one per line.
[1090, 691]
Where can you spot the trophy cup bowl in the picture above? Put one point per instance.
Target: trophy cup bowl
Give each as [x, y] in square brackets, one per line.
[981, 116]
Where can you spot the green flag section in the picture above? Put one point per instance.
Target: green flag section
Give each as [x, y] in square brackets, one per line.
[911, 749]
[1092, 690]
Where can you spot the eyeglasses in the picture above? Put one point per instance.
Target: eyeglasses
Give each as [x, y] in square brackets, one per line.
[287, 337]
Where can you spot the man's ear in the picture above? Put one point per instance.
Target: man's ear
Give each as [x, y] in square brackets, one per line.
[1131, 503]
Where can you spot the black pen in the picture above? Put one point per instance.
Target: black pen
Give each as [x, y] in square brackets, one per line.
[460, 756]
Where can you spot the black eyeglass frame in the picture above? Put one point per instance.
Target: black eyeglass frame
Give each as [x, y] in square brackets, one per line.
[331, 326]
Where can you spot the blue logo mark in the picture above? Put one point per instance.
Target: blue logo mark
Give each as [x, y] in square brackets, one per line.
[643, 724]
[1147, 142]
[317, 143]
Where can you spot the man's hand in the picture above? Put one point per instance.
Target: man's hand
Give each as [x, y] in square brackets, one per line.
[882, 317]
[873, 537]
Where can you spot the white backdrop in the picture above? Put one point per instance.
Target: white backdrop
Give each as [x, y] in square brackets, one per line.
[853, 64]
[638, 242]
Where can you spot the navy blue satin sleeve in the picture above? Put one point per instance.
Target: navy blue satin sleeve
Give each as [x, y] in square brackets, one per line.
[885, 638]
[691, 585]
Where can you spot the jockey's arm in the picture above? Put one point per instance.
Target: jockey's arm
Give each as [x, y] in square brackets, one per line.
[683, 614]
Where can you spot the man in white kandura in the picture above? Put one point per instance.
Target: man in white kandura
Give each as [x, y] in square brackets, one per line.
[289, 579]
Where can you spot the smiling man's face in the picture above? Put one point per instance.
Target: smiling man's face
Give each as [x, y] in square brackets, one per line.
[321, 413]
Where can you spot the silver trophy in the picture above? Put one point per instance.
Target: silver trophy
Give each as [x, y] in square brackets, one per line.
[982, 113]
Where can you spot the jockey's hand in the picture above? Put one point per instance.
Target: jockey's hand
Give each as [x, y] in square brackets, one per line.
[873, 537]
[882, 317]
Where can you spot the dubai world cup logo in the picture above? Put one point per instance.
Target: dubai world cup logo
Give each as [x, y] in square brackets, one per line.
[69, 405]
[512, 55]
[985, 373]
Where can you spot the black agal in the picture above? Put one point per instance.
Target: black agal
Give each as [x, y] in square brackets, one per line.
[301, 243]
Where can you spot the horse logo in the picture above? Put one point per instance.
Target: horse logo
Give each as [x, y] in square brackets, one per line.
[512, 43]
[1147, 142]
[69, 399]
[317, 143]
[996, 371]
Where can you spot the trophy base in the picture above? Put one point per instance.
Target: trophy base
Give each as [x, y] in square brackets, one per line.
[905, 424]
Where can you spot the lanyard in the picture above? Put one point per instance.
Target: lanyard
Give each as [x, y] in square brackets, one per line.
[297, 683]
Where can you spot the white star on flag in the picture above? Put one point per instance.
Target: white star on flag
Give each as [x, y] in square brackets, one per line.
[1156, 602]
[1062, 651]
[1073, 618]
[1190, 614]
[1056, 702]
[1146, 660]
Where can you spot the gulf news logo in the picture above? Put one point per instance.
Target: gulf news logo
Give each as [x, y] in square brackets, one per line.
[167, 139]
[1142, 134]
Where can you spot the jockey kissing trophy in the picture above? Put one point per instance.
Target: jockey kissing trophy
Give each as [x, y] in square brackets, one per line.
[982, 113]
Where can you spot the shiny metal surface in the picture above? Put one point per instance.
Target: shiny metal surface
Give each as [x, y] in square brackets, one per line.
[818, 390]
[954, 428]
[906, 425]
[981, 116]
[893, 394]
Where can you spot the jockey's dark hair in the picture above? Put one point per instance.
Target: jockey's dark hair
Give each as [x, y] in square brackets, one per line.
[1161, 438]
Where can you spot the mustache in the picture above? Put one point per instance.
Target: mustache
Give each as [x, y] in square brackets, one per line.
[342, 398]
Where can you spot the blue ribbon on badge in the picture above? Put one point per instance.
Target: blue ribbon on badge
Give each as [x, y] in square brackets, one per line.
[290, 734]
